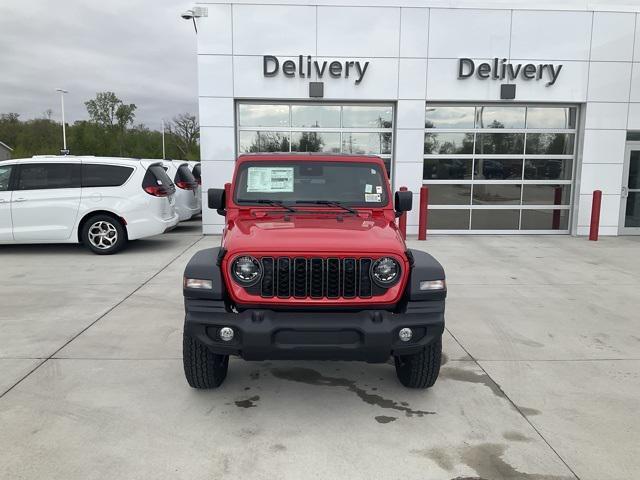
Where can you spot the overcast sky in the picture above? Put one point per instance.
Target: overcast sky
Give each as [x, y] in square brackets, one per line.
[140, 49]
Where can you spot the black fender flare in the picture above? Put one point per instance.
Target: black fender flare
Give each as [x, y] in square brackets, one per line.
[423, 267]
[205, 265]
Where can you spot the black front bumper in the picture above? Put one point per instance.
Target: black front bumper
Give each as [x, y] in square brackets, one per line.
[365, 335]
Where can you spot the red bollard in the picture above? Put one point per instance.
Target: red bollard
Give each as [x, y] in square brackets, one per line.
[402, 222]
[595, 215]
[424, 212]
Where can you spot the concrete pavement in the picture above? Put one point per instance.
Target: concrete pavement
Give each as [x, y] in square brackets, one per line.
[541, 379]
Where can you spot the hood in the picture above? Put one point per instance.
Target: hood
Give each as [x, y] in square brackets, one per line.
[322, 234]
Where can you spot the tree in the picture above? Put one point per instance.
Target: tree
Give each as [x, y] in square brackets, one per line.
[112, 113]
[109, 111]
[185, 131]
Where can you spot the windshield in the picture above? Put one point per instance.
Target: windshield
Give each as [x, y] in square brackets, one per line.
[291, 182]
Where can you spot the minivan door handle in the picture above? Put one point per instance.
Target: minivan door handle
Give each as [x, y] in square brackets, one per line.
[20, 200]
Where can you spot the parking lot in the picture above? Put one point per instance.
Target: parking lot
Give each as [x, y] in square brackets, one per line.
[541, 380]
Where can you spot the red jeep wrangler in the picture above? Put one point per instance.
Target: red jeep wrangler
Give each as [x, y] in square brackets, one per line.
[312, 266]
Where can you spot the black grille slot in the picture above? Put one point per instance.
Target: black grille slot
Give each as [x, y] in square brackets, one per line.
[284, 277]
[267, 277]
[333, 278]
[365, 279]
[300, 277]
[349, 278]
[316, 278]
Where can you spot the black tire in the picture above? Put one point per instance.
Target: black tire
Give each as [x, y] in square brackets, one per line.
[202, 368]
[114, 235]
[421, 369]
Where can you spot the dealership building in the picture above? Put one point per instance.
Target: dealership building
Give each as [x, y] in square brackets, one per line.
[512, 117]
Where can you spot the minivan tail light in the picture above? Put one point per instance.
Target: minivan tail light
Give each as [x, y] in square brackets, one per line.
[156, 191]
[185, 185]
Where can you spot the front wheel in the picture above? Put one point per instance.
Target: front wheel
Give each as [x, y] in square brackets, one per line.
[202, 368]
[420, 370]
[104, 234]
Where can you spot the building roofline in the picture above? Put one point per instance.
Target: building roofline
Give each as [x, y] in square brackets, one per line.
[6, 146]
[619, 6]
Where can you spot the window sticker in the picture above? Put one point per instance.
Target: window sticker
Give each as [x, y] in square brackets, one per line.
[270, 179]
[372, 197]
[378, 189]
[368, 188]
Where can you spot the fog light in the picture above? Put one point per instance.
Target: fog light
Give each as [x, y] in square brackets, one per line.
[405, 334]
[226, 334]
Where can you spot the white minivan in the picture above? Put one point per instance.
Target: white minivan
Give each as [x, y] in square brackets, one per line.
[187, 195]
[196, 170]
[100, 202]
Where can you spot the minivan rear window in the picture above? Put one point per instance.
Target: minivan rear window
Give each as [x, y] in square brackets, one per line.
[157, 176]
[40, 176]
[94, 175]
[185, 178]
[197, 172]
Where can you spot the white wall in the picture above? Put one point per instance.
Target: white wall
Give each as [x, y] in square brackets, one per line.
[413, 52]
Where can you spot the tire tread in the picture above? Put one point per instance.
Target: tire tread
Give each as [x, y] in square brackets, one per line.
[202, 368]
[421, 369]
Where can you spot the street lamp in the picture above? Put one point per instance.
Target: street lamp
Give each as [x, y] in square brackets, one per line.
[64, 132]
[164, 154]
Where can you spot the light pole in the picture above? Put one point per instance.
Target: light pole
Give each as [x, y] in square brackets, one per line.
[164, 155]
[64, 132]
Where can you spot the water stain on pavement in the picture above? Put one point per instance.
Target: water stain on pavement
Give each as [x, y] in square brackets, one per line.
[441, 456]
[384, 419]
[515, 436]
[529, 411]
[463, 375]
[247, 403]
[312, 377]
[486, 460]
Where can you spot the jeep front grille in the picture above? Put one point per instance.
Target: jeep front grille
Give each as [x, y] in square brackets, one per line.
[297, 277]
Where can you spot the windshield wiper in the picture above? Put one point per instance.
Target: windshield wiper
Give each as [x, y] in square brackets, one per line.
[329, 203]
[273, 203]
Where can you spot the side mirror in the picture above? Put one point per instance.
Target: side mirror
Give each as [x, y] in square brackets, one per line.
[403, 202]
[217, 200]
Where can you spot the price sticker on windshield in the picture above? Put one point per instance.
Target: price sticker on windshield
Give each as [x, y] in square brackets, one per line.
[372, 197]
[270, 179]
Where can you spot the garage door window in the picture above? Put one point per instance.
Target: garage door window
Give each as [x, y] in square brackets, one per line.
[495, 167]
[354, 129]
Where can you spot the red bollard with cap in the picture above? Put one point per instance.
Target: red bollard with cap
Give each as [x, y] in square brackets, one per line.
[402, 222]
[424, 212]
[595, 215]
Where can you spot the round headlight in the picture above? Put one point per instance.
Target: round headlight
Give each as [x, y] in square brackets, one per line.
[385, 271]
[246, 270]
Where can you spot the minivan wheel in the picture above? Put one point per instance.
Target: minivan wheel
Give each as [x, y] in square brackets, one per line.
[202, 368]
[103, 234]
[420, 370]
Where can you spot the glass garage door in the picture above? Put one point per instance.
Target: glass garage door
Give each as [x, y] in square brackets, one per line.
[328, 128]
[500, 168]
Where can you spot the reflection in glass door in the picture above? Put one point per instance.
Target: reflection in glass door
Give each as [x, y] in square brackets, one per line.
[630, 214]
